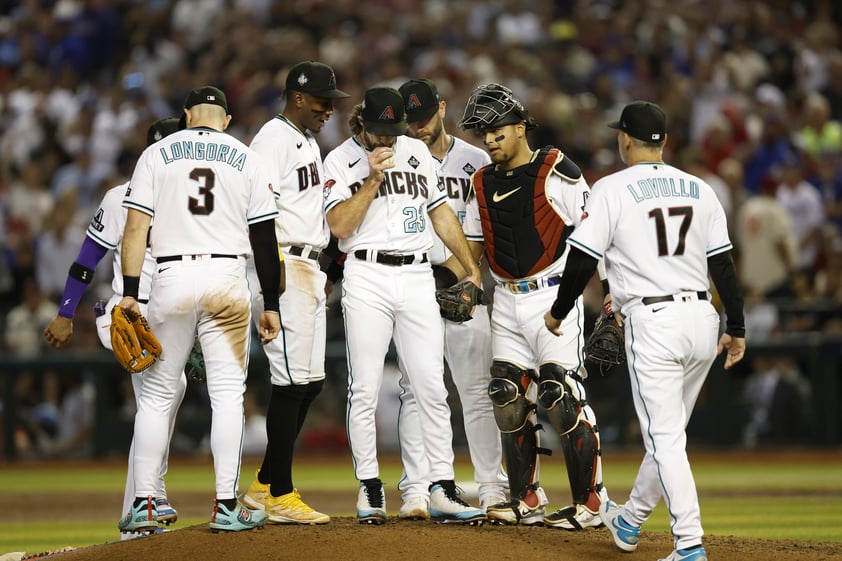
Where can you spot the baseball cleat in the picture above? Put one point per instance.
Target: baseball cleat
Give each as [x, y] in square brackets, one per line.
[415, 508]
[142, 519]
[574, 517]
[625, 535]
[290, 509]
[487, 502]
[257, 494]
[694, 554]
[516, 512]
[371, 502]
[166, 513]
[237, 520]
[446, 507]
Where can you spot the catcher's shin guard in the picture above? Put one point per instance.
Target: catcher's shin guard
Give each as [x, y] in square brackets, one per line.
[583, 457]
[512, 411]
[556, 394]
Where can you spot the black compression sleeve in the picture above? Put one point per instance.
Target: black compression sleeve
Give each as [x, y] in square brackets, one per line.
[724, 275]
[264, 245]
[578, 271]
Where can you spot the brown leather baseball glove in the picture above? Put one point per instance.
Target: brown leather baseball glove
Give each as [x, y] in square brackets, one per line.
[606, 347]
[134, 344]
[457, 302]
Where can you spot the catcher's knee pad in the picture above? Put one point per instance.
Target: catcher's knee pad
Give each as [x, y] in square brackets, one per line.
[507, 390]
[556, 396]
[582, 455]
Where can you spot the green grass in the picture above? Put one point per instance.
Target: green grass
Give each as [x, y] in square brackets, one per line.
[793, 497]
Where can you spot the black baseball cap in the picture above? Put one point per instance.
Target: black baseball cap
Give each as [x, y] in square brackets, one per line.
[383, 113]
[421, 99]
[314, 78]
[206, 94]
[642, 120]
[161, 128]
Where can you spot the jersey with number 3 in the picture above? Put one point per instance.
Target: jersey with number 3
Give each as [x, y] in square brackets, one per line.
[397, 220]
[656, 226]
[203, 188]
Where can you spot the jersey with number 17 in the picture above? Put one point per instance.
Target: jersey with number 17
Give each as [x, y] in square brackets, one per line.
[656, 226]
[203, 189]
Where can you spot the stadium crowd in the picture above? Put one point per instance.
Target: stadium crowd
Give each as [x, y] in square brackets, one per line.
[753, 90]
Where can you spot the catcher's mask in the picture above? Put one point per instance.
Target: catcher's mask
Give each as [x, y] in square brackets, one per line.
[493, 106]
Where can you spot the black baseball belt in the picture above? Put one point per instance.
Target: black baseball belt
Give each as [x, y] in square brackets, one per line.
[391, 259]
[305, 252]
[647, 300]
[168, 258]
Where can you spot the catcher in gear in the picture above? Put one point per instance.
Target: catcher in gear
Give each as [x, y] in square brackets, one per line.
[457, 302]
[524, 205]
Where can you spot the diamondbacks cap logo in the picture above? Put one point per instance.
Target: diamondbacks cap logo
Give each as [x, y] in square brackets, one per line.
[388, 114]
[413, 102]
[302, 79]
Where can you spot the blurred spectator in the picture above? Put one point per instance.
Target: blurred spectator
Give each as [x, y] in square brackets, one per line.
[767, 245]
[730, 170]
[25, 323]
[769, 152]
[820, 134]
[827, 177]
[803, 202]
[778, 396]
[58, 246]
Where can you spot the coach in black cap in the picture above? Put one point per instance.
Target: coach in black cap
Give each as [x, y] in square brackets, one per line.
[644, 121]
[205, 95]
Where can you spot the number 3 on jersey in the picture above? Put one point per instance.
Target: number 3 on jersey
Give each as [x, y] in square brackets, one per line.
[661, 228]
[206, 179]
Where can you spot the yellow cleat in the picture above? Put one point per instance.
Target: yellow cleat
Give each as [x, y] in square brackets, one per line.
[290, 509]
[257, 494]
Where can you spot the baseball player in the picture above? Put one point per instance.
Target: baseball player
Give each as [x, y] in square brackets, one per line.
[104, 233]
[525, 205]
[661, 232]
[467, 346]
[212, 200]
[297, 357]
[383, 202]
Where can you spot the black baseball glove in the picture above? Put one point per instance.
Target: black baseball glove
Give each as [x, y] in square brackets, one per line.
[606, 347]
[457, 302]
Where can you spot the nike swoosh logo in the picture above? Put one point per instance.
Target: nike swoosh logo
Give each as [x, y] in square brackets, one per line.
[656, 310]
[497, 197]
[352, 164]
[164, 269]
[299, 145]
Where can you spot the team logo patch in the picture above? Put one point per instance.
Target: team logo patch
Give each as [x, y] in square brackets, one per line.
[413, 162]
[302, 79]
[96, 221]
[327, 186]
[388, 114]
[584, 215]
[469, 169]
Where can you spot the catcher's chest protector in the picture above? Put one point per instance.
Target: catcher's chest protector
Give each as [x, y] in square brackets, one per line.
[523, 233]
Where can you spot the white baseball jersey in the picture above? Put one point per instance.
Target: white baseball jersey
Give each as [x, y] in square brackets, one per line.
[291, 154]
[455, 170]
[397, 220]
[106, 229]
[175, 181]
[657, 226]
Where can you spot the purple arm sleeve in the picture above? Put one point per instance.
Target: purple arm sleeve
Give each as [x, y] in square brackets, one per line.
[89, 257]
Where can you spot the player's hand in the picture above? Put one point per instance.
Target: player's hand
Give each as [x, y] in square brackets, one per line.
[553, 324]
[270, 326]
[736, 349]
[59, 331]
[380, 159]
[130, 305]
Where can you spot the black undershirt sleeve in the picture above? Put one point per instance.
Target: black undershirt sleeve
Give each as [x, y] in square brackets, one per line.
[264, 245]
[724, 276]
[578, 271]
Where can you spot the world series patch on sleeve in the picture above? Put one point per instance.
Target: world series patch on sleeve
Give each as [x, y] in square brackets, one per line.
[134, 344]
